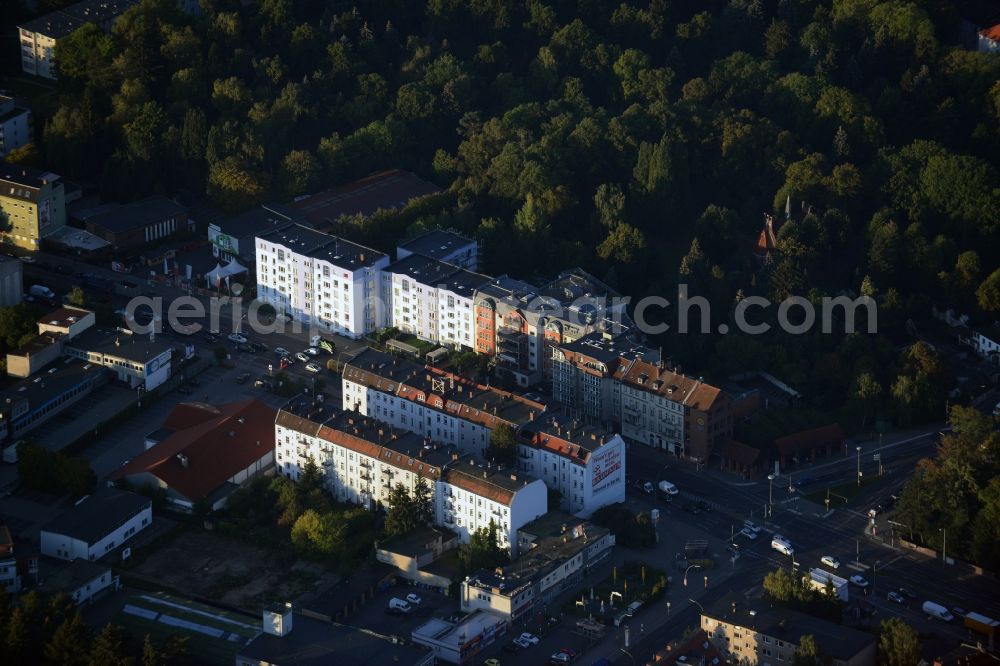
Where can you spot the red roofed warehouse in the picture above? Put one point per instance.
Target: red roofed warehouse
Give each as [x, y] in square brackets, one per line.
[203, 452]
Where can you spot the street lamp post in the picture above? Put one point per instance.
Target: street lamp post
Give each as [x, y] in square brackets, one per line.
[693, 566]
[770, 495]
[944, 546]
[859, 465]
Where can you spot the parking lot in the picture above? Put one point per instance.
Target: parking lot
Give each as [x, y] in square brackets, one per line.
[373, 614]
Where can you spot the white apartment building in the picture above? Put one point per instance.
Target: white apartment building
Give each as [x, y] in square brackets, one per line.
[469, 497]
[321, 280]
[96, 525]
[585, 463]
[431, 403]
[39, 36]
[15, 125]
[135, 360]
[433, 300]
[363, 459]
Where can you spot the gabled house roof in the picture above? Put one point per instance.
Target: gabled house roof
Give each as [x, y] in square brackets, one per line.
[208, 445]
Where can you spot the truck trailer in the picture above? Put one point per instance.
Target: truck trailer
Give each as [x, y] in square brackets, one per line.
[820, 579]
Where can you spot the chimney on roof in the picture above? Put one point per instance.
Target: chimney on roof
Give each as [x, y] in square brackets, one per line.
[531, 415]
[513, 477]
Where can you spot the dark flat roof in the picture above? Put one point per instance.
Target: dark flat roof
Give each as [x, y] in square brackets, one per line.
[385, 190]
[137, 214]
[51, 381]
[838, 641]
[333, 249]
[257, 220]
[436, 243]
[134, 347]
[73, 576]
[434, 273]
[97, 514]
[23, 182]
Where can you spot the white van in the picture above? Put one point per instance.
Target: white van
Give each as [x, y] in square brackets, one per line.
[633, 608]
[938, 611]
[782, 546]
[400, 604]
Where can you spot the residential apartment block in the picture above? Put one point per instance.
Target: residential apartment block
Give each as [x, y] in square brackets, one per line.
[432, 299]
[583, 381]
[39, 36]
[96, 525]
[585, 463]
[667, 410]
[33, 203]
[430, 402]
[755, 632]
[557, 551]
[520, 324]
[363, 459]
[15, 125]
[445, 245]
[321, 279]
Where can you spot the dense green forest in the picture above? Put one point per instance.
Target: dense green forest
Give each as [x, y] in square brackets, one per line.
[643, 141]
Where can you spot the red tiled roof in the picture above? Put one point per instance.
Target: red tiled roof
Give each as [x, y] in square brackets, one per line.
[992, 33]
[384, 190]
[217, 444]
[809, 439]
[675, 387]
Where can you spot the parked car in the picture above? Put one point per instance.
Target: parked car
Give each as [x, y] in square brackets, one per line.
[529, 638]
[560, 658]
[312, 351]
[245, 348]
[859, 580]
[938, 611]
[647, 487]
[236, 337]
[895, 597]
[400, 604]
[302, 357]
[242, 379]
[521, 643]
[414, 599]
[748, 533]
[281, 351]
[312, 367]
[263, 383]
[958, 611]
[907, 593]
[492, 661]
[830, 561]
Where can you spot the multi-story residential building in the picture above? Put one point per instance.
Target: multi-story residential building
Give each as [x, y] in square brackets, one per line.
[363, 459]
[470, 497]
[432, 299]
[95, 526]
[756, 632]
[15, 125]
[585, 463]
[32, 205]
[16, 570]
[583, 372]
[430, 402]
[557, 551]
[40, 36]
[321, 279]
[11, 281]
[667, 410]
[445, 245]
[520, 324]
